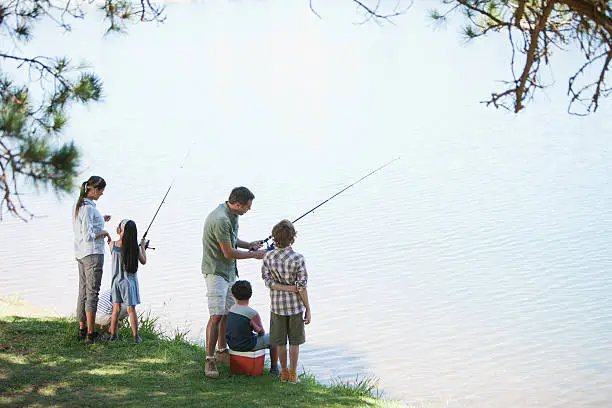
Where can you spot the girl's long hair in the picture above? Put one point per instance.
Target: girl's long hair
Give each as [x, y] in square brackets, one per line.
[93, 182]
[129, 247]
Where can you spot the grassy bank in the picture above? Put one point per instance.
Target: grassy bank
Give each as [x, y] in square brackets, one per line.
[43, 364]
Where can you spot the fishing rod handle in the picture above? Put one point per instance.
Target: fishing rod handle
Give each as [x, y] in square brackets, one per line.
[146, 241]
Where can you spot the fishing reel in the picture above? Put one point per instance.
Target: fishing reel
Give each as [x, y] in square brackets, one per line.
[269, 245]
[146, 246]
[269, 242]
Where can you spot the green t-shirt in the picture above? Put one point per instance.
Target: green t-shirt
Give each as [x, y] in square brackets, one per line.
[220, 226]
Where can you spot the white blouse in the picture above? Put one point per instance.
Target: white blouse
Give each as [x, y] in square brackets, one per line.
[86, 225]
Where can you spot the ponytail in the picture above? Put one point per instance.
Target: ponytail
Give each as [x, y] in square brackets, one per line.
[81, 199]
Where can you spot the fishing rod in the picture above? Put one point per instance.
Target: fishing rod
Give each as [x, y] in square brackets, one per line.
[338, 193]
[166, 195]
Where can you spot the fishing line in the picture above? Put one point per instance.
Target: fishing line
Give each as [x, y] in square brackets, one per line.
[168, 191]
[338, 193]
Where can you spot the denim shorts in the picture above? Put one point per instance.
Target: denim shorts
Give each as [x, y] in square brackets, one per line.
[263, 342]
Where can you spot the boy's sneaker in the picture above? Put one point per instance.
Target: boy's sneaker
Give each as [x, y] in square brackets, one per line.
[94, 337]
[113, 337]
[210, 368]
[284, 375]
[274, 370]
[293, 378]
[137, 339]
[82, 333]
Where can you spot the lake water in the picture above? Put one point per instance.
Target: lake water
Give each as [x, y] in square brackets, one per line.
[472, 272]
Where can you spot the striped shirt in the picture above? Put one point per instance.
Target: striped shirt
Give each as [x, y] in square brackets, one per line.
[105, 305]
[287, 267]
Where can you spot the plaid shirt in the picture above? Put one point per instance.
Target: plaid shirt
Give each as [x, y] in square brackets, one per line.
[287, 267]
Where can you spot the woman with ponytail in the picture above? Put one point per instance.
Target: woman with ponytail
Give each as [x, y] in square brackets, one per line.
[89, 234]
[127, 253]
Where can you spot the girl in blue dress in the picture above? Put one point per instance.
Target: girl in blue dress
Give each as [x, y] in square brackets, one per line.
[126, 254]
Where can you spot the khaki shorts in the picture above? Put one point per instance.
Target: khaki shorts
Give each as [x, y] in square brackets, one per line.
[283, 327]
[219, 294]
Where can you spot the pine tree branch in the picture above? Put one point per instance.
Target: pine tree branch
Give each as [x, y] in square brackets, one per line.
[469, 6]
[41, 66]
[596, 11]
[531, 55]
[373, 12]
[518, 14]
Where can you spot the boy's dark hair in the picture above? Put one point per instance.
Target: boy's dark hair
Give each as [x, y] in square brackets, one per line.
[242, 290]
[283, 234]
[241, 195]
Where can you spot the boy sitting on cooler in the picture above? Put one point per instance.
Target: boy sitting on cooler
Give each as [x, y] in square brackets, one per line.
[244, 330]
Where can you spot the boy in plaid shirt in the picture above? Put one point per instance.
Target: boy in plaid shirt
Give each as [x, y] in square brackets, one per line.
[284, 273]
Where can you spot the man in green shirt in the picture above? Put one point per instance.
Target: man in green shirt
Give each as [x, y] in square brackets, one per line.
[221, 243]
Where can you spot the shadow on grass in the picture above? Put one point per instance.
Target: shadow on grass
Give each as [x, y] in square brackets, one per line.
[42, 363]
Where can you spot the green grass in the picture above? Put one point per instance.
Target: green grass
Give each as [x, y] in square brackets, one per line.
[42, 363]
[361, 386]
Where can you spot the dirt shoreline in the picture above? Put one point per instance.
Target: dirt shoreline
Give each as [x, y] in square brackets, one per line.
[14, 305]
